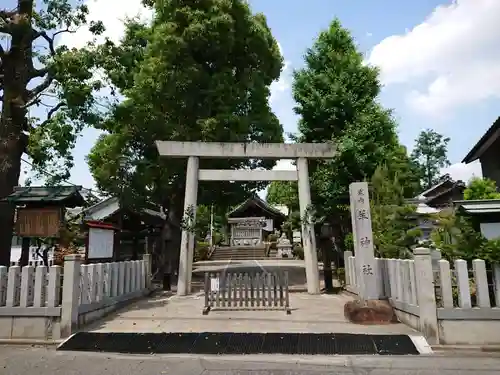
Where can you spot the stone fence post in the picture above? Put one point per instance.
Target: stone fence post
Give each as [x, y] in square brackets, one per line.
[426, 297]
[70, 294]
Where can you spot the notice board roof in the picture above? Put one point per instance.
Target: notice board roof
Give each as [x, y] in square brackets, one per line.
[67, 196]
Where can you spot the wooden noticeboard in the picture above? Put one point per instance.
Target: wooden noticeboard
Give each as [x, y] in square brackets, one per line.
[38, 222]
[101, 243]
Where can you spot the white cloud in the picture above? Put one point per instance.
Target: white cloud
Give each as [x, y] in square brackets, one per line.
[283, 83]
[281, 165]
[454, 51]
[112, 15]
[285, 165]
[464, 172]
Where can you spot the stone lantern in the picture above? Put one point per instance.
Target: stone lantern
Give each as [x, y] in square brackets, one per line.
[284, 247]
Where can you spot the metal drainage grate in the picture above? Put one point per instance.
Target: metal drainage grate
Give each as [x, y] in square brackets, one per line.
[245, 343]
[212, 343]
[240, 343]
[280, 343]
[348, 344]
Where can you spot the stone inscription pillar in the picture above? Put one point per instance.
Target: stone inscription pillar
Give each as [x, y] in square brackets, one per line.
[363, 241]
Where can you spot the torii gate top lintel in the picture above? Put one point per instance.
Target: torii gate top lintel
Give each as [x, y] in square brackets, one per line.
[229, 150]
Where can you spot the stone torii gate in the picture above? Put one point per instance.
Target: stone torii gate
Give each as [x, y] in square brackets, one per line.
[212, 150]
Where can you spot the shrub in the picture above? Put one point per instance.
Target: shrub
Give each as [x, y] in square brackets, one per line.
[272, 237]
[60, 253]
[201, 251]
[298, 252]
[273, 240]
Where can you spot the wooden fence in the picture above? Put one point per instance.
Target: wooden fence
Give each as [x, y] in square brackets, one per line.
[246, 291]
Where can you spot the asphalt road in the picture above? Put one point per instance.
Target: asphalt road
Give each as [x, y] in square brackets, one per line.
[15, 360]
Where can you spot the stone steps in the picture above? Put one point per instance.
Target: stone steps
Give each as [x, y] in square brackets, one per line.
[238, 253]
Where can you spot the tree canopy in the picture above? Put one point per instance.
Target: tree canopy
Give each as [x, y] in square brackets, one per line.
[201, 71]
[430, 156]
[38, 72]
[481, 188]
[336, 95]
[393, 220]
[337, 101]
[283, 193]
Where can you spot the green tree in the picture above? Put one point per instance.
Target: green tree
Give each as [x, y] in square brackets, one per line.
[35, 71]
[393, 221]
[283, 193]
[336, 96]
[203, 220]
[430, 156]
[481, 188]
[457, 237]
[399, 165]
[200, 72]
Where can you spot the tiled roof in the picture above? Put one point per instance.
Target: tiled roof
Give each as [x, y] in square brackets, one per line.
[484, 143]
[68, 196]
[258, 202]
[479, 206]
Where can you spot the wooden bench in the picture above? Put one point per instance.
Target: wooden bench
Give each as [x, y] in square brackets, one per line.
[246, 291]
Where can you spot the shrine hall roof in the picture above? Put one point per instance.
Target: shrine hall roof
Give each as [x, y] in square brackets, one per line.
[68, 196]
[257, 201]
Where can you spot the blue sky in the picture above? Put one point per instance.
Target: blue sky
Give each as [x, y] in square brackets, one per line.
[439, 61]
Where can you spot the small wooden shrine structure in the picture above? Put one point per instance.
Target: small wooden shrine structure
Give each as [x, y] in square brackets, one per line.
[41, 212]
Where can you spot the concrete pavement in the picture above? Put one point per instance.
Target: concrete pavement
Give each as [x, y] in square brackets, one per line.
[15, 360]
[295, 268]
[264, 265]
[310, 313]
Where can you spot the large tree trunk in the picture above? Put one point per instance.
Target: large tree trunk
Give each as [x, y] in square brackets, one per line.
[165, 267]
[171, 240]
[11, 150]
[17, 67]
[338, 245]
[326, 252]
[25, 252]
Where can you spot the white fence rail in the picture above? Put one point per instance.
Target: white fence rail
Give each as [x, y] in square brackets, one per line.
[467, 290]
[58, 299]
[450, 303]
[30, 286]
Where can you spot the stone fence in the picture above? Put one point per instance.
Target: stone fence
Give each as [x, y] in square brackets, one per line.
[49, 303]
[449, 305]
